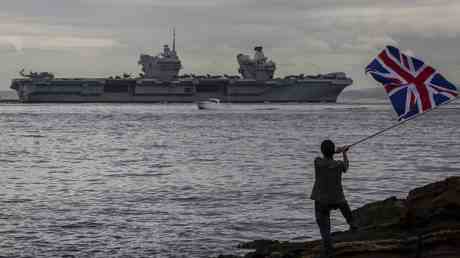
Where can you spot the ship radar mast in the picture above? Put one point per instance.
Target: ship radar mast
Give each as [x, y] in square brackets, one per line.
[174, 41]
[164, 66]
[258, 68]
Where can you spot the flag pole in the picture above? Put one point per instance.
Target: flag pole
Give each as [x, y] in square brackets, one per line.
[398, 124]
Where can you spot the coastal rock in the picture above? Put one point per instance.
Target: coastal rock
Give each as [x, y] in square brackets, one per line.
[433, 205]
[388, 211]
[425, 224]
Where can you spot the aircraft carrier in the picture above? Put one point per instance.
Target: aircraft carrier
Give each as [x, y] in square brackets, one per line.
[161, 82]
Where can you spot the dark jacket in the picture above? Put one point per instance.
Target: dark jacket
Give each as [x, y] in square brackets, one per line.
[328, 181]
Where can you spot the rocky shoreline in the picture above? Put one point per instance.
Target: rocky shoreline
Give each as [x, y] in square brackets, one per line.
[425, 224]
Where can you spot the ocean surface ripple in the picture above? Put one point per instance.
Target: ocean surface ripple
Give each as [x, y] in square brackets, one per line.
[101, 180]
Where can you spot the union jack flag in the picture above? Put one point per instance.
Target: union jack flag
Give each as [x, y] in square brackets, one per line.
[412, 86]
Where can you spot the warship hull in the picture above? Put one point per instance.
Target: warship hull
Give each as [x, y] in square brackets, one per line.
[180, 91]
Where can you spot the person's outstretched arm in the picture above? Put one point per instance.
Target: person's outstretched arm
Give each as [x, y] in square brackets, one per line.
[345, 158]
[344, 150]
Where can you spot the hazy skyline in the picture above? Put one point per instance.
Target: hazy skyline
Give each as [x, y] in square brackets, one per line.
[105, 37]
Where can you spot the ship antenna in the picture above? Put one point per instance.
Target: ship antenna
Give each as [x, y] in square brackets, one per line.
[174, 40]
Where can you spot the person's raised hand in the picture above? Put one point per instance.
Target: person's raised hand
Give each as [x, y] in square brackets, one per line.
[341, 149]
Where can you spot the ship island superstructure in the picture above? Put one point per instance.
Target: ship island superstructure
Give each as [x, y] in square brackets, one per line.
[161, 82]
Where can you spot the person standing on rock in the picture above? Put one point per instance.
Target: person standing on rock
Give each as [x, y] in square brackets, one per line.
[328, 192]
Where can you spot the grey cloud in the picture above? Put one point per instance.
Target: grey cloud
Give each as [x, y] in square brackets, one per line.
[301, 36]
[6, 47]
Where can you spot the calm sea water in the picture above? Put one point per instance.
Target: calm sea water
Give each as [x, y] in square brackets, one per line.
[100, 180]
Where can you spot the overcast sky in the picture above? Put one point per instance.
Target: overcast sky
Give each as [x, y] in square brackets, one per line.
[105, 37]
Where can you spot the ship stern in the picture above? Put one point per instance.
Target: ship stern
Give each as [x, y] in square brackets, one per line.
[22, 88]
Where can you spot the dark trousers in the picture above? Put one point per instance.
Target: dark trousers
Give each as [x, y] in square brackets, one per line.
[323, 218]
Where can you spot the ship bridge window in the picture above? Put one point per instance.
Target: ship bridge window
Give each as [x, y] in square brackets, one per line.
[116, 88]
[208, 88]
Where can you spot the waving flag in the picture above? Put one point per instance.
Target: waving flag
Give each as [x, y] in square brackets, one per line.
[412, 86]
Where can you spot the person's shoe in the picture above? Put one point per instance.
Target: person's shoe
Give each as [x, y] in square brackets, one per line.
[324, 256]
[353, 228]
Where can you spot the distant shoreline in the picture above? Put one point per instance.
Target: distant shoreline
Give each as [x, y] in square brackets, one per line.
[8, 96]
[9, 101]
